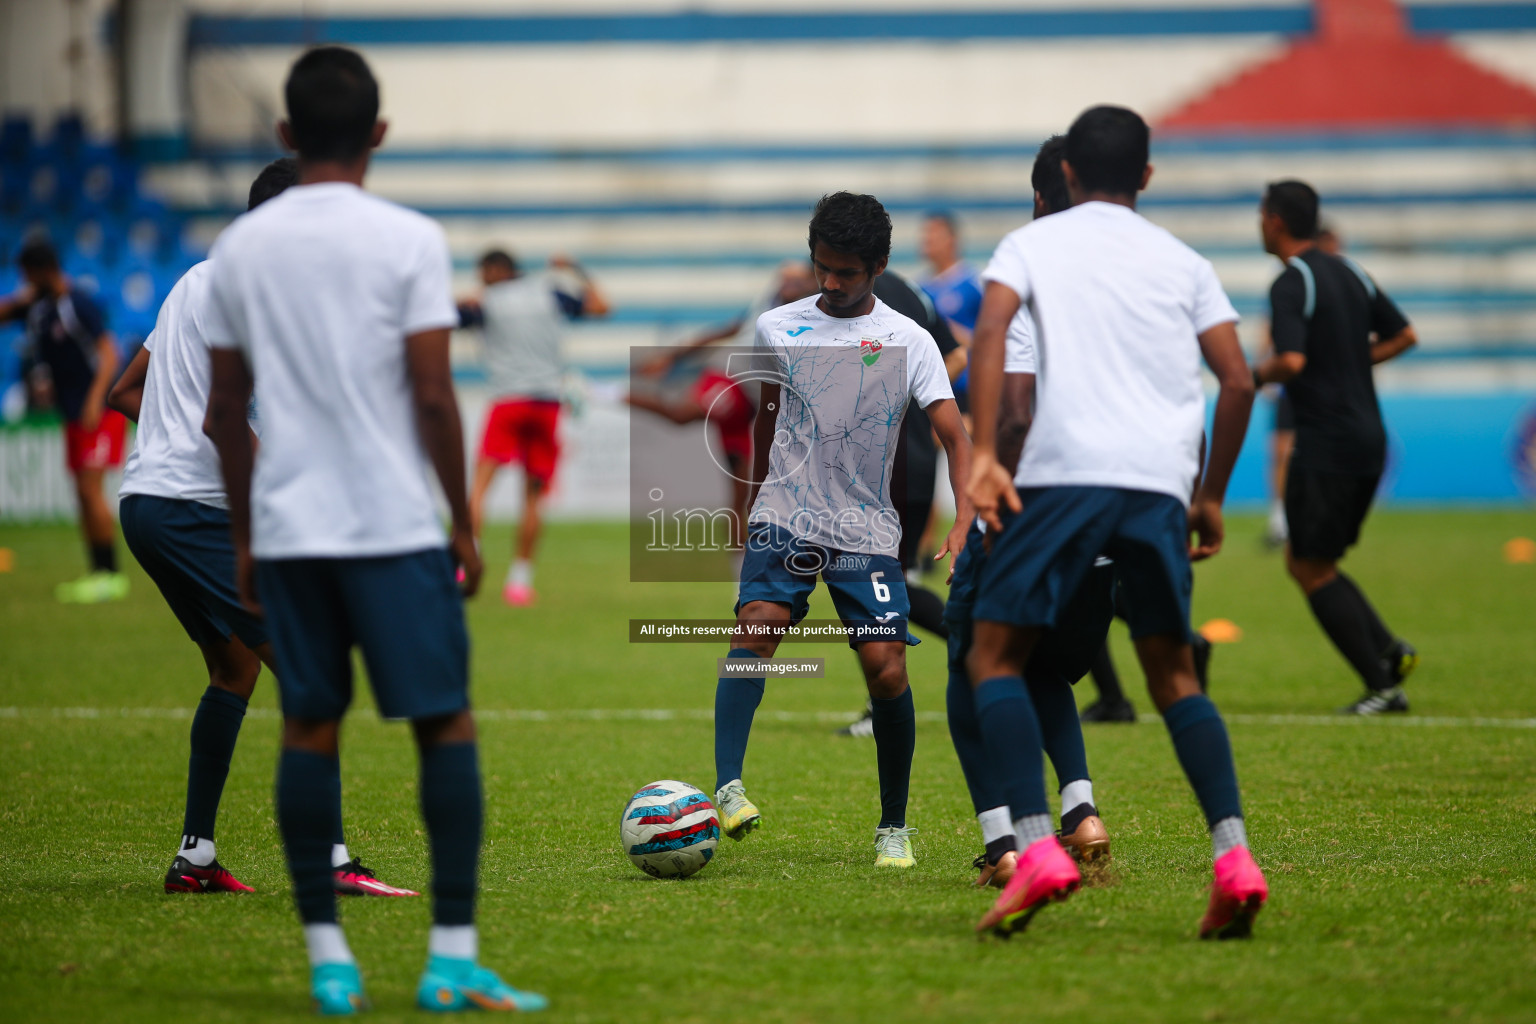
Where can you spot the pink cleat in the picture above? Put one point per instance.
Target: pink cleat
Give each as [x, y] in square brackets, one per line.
[1237, 896]
[352, 879]
[1044, 873]
[519, 595]
[185, 876]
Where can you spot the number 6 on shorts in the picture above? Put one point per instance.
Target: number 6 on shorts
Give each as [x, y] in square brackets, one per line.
[882, 592]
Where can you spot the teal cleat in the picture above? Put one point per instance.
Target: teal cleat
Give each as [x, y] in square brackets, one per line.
[338, 990]
[455, 986]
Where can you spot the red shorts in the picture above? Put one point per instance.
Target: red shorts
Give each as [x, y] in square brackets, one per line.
[523, 430]
[729, 410]
[101, 448]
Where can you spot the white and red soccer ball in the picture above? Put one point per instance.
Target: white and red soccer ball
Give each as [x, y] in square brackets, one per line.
[669, 829]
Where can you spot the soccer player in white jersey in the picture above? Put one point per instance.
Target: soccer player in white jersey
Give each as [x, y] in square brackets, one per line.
[337, 306]
[1123, 313]
[838, 371]
[1063, 655]
[176, 521]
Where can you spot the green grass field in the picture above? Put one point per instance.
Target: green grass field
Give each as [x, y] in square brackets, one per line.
[1400, 853]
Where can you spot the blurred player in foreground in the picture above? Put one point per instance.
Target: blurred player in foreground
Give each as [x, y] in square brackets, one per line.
[176, 522]
[844, 366]
[522, 318]
[1064, 653]
[337, 305]
[1331, 324]
[67, 334]
[1124, 312]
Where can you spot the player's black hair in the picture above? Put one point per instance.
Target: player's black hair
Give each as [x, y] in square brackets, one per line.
[855, 224]
[274, 178]
[333, 103]
[499, 258]
[1048, 178]
[1108, 149]
[38, 253]
[1295, 203]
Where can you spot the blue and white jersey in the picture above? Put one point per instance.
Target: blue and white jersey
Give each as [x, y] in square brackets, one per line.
[844, 385]
[956, 294]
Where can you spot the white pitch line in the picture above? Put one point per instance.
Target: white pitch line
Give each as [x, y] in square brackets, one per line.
[838, 717]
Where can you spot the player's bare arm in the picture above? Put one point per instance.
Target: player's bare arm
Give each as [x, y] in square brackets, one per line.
[763, 428]
[229, 395]
[991, 484]
[947, 424]
[442, 437]
[96, 397]
[127, 395]
[593, 302]
[1394, 346]
[1279, 368]
[1234, 403]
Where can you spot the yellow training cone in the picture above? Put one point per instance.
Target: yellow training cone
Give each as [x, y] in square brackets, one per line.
[7, 560]
[1520, 551]
[1222, 631]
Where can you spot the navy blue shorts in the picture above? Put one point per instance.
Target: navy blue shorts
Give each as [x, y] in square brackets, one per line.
[404, 611]
[1065, 652]
[1044, 553]
[185, 547]
[868, 591]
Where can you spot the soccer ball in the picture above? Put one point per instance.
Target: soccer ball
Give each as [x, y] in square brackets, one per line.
[669, 829]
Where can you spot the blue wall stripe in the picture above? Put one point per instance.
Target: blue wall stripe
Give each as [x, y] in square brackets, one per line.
[690, 27]
[1472, 17]
[1163, 145]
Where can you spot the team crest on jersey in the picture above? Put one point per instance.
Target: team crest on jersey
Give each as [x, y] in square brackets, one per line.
[869, 350]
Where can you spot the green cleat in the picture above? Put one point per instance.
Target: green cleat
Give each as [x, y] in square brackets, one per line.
[893, 847]
[457, 986]
[738, 815]
[93, 588]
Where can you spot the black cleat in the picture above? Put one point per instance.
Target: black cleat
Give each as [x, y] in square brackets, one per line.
[1104, 711]
[1378, 702]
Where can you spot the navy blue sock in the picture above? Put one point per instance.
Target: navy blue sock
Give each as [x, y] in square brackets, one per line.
[1060, 730]
[965, 733]
[736, 701]
[895, 728]
[452, 809]
[1011, 733]
[215, 728]
[308, 803]
[1200, 739]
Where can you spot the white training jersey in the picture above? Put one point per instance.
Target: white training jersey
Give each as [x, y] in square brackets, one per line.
[172, 457]
[319, 288]
[1117, 304]
[1019, 349]
[844, 385]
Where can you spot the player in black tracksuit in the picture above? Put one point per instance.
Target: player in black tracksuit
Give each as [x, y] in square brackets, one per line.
[1331, 324]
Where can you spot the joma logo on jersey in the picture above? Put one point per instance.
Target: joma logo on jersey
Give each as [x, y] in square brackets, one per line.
[869, 350]
[799, 331]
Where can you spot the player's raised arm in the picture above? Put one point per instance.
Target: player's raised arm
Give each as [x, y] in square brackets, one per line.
[1224, 355]
[442, 437]
[991, 485]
